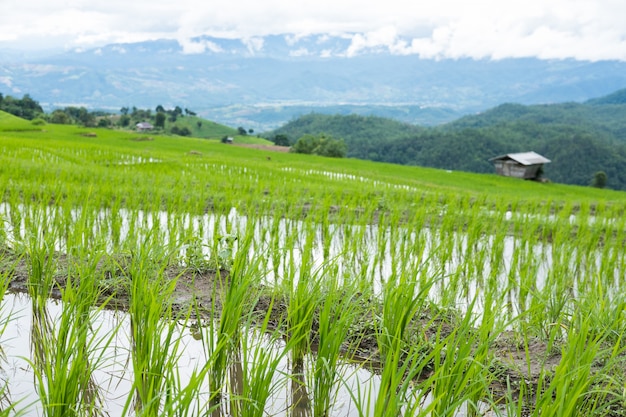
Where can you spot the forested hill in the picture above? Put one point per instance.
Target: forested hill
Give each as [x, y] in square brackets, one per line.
[580, 138]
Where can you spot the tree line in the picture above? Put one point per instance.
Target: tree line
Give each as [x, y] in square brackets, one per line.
[29, 109]
[586, 142]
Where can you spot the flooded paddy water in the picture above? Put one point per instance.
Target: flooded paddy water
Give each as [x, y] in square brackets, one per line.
[248, 314]
[113, 379]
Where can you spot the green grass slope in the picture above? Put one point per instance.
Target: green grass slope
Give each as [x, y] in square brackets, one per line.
[581, 139]
[202, 128]
[242, 174]
[9, 122]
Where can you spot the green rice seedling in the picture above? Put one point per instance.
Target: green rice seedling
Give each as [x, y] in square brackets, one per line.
[151, 327]
[563, 394]
[460, 367]
[65, 369]
[225, 340]
[61, 347]
[403, 359]
[261, 358]
[7, 406]
[302, 288]
[337, 313]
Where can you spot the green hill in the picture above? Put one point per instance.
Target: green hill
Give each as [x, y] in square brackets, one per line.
[357, 131]
[580, 138]
[9, 122]
[618, 97]
[75, 149]
[201, 128]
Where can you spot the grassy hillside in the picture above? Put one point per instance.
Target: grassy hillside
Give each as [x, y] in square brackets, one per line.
[355, 130]
[580, 139]
[177, 152]
[9, 122]
[202, 128]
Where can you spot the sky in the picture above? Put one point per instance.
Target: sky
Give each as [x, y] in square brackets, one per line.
[549, 29]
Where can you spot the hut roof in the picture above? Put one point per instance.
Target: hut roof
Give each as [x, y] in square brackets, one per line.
[524, 158]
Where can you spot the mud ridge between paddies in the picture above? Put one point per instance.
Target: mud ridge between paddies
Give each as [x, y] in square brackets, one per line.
[514, 363]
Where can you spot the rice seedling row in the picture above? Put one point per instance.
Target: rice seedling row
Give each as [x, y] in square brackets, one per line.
[295, 277]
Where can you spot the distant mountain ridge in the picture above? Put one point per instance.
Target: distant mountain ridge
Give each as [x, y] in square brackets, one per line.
[262, 83]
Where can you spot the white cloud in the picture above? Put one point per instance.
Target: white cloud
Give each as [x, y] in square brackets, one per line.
[299, 52]
[191, 46]
[254, 44]
[584, 29]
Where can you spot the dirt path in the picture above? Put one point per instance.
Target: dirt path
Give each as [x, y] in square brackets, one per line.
[272, 148]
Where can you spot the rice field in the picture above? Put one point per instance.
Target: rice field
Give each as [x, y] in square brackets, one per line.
[145, 276]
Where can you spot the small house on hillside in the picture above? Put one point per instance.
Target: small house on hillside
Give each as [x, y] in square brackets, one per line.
[526, 165]
[144, 126]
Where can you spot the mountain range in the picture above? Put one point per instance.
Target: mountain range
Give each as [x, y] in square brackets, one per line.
[261, 83]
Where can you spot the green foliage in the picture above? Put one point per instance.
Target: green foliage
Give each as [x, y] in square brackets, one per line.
[599, 179]
[360, 133]
[184, 131]
[320, 145]
[618, 97]
[580, 139]
[26, 107]
[159, 120]
[124, 120]
[9, 122]
[431, 267]
[281, 140]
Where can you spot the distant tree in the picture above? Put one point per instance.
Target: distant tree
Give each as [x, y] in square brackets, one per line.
[599, 179]
[189, 112]
[124, 120]
[82, 116]
[124, 111]
[320, 145]
[104, 122]
[159, 109]
[30, 104]
[159, 120]
[184, 131]
[199, 123]
[178, 111]
[306, 144]
[26, 107]
[333, 148]
[60, 117]
[242, 131]
[281, 140]
[250, 131]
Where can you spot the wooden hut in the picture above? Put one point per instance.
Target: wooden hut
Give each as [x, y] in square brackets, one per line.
[144, 126]
[526, 165]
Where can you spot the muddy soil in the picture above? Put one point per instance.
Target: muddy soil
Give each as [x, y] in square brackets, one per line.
[513, 362]
[272, 148]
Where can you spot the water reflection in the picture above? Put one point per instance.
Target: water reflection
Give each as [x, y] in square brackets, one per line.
[300, 401]
[34, 329]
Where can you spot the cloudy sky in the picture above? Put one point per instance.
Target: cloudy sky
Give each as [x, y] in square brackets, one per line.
[582, 29]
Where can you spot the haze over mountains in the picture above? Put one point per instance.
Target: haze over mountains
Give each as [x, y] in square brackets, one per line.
[262, 83]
